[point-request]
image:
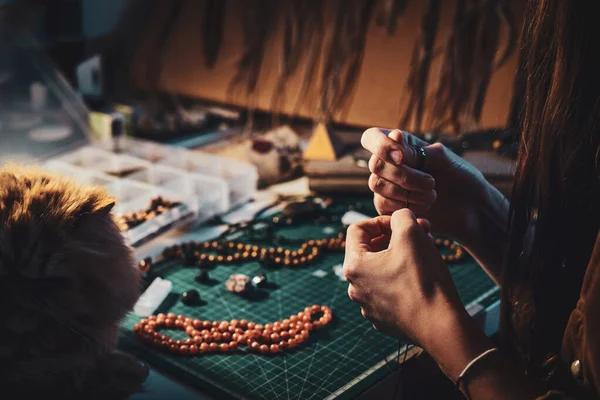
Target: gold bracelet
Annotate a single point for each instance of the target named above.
(474, 361)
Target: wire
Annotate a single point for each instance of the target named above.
(400, 369)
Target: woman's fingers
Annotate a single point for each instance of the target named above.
(360, 235)
(394, 149)
(402, 175)
(390, 190)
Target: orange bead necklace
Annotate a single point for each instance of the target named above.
(230, 336)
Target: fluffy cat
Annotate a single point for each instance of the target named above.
(66, 280)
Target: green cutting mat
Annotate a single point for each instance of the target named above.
(341, 360)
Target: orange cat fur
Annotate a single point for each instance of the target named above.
(66, 280)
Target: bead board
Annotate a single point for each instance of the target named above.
(339, 361)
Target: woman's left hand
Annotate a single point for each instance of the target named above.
(399, 279)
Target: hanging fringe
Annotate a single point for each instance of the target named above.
(420, 66)
(300, 25)
(344, 56)
(469, 61)
(155, 69)
(315, 36)
(214, 23)
(259, 23)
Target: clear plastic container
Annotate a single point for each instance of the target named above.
(208, 196)
(195, 162)
(242, 179)
(149, 151)
(98, 179)
(65, 169)
(122, 166)
(143, 149)
(159, 175)
(80, 175)
(134, 196)
(86, 157)
(211, 195)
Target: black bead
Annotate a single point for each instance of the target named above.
(190, 298)
(202, 276)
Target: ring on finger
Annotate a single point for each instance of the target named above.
(422, 157)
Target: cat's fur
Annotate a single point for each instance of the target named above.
(66, 279)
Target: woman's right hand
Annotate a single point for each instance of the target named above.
(446, 190)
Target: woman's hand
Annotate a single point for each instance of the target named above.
(399, 279)
(404, 288)
(458, 186)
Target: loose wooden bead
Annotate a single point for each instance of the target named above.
(204, 347)
(274, 348)
(213, 347)
(264, 349)
(224, 347)
(193, 349)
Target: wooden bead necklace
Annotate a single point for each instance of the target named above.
(157, 206)
(229, 336)
(208, 254)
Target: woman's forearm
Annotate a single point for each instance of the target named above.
(493, 377)
(486, 236)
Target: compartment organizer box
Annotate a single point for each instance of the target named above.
(202, 185)
(53, 131)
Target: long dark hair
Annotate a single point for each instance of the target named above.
(555, 205)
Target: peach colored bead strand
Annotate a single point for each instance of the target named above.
(228, 336)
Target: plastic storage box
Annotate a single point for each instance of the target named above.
(241, 177)
(135, 182)
(43, 121)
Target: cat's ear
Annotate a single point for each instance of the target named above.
(106, 209)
